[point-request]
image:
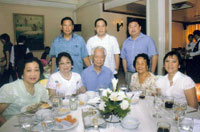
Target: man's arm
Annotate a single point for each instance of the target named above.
(154, 63)
(53, 62)
(7, 59)
(117, 61)
(124, 63)
(87, 61)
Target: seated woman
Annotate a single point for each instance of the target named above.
(65, 80)
(45, 56)
(175, 83)
(24, 91)
(142, 79)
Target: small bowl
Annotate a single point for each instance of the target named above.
(40, 114)
(130, 122)
(91, 94)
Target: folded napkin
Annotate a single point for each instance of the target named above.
(94, 100)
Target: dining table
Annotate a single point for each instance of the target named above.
(141, 110)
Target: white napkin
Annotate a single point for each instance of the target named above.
(196, 127)
(94, 100)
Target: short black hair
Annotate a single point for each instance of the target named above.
(135, 20)
(21, 67)
(66, 18)
(5, 37)
(190, 35)
(63, 54)
(196, 32)
(144, 56)
(21, 39)
(100, 19)
(174, 53)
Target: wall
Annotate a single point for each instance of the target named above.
(178, 35)
(52, 17)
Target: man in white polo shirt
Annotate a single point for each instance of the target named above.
(108, 42)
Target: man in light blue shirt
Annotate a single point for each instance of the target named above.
(136, 44)
(71, 43)
(97, 76)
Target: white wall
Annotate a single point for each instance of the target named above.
(52, 18)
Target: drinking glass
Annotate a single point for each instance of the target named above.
(179, 110)
(185, 124)
(100, 90)
(48, 122)
(73, 104)
(169, 102)
(143, 93)
(157, 106)
(26, 122)
(163, 127)
(124, 88)
(55, 101)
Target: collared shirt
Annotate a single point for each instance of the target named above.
(16, 95)
(197, 52)
(190, 46)
(69, 87)
(92, 81)
(131, 48)
(76, 47)
(181, 82)
(110, 44)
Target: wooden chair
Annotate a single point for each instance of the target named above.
(198, 91)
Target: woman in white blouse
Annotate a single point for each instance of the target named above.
(142, 79)
(65, 81)
(175, 83)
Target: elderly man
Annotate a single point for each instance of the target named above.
(97, 75)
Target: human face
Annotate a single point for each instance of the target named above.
(67, 27)
(141, 65)
(134, 29)
(99, 58)
(101, 28)
(65, 65)
(31, 73)
(171, 64)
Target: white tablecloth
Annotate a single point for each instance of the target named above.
(142, 111)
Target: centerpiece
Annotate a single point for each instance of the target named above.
(114, 104)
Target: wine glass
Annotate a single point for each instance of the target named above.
(26, 122)
(124, 88)
(95, 123)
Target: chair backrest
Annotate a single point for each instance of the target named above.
(198, 91)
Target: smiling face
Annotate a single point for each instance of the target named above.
(141, 65)
(171, 64)
(98, 57)
(101, 28)
(65, 65)
(31, 73)
(134, 29)
(67, 27)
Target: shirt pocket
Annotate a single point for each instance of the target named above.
(76, 50)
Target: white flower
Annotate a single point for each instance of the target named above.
(121, 95)
(102, 106)
(106, 91)
(114, 83)
(114, 96)
(124, 104)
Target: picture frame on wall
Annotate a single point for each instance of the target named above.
(32, 27)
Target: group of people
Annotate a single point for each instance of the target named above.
(101, 58)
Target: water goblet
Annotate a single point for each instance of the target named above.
(124, 88)
(48, 122)
(179, 110)
(26, 122)
(185, 124)
(73, 104)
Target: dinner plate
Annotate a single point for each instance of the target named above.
(23, 110)
(62, 127)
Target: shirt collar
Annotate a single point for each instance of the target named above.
(139, 36)
(102, 69)
(106, 35)
(176, 76)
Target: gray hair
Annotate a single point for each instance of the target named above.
(99, 47)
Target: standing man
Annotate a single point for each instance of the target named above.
(7, 45)
(71, 43)
(108, 42)
(196, 57)
(97, 76)
(136, 44)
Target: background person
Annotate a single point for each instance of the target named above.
(136, 44)
(71, 43)
(65, 80)
(143, 79)
(97, 76)
(22, 92)
(107, 41)
(175, 83)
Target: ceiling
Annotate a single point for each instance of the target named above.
(134, 7)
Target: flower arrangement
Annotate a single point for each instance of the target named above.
(114, 103)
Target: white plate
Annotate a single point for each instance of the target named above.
(130, 123)
(66, 127)
(23, 110)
